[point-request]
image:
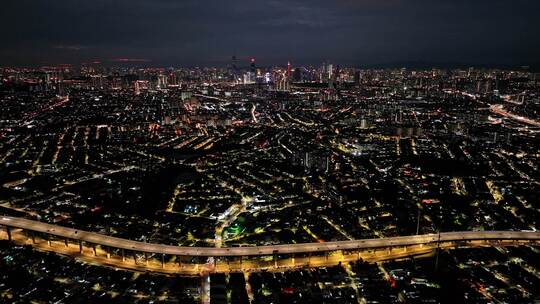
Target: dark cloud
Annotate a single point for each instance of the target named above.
(207, 32)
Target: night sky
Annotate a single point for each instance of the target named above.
(209, 32)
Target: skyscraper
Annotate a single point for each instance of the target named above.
(289, 68)
(357, 78)
(297, 75)
(253, 67)
(234, 68)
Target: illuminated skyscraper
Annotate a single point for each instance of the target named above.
(289, 68)
(251, 76)
(137, 88)
(162, 81)
(253, 68)
(234, 68)
(330, 72)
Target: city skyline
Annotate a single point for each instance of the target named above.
(270, 152)
(284, 184)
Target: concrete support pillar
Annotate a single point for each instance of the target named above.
(135, 257)
(309, 258)
(94, 249)
(146, 258)
(162, 260)
(49, 240)
(80, 247)
(8, 230)
(123, 255)
(33, 236)
(437, 260)
(326, 255)
(66, 242)
(292, 259)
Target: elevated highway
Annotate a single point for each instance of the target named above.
(409, 245)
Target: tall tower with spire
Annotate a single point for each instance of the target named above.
(289, 69)
(234, 68)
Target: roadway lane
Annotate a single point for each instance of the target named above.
(400, 241)
(499, 109)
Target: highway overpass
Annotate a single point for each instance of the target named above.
(414, 242)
